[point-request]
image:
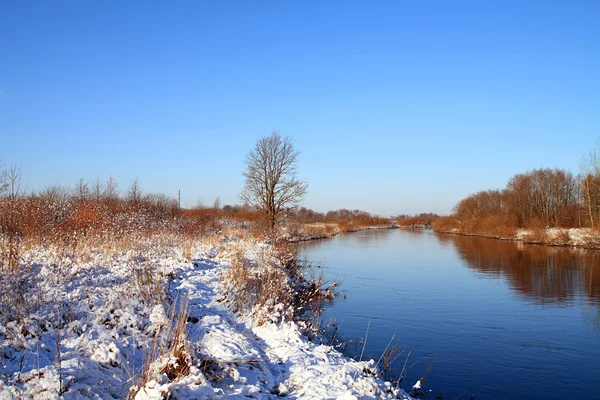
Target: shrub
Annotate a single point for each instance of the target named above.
(447, 224)
(271, 292)
(536, 235)
(559, 237)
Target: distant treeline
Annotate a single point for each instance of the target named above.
(341, 216)
(537, 199)
(97, 209)
(423, 220)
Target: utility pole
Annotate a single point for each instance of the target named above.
(179, 198)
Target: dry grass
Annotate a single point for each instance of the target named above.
(12, 220)
(168, 353)
(263, 289)
(298, 232)
(274, 287)
(16, 301)
(147, 284)
(558, 237)
(537, 235)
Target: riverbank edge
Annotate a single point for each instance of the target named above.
(304, 236)
(581, 238)
(370, 370)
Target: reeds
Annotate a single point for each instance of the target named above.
(168, 353)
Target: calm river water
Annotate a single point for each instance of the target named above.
(504, 320)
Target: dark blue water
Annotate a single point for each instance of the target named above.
(502, 319)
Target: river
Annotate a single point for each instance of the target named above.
(501, 320)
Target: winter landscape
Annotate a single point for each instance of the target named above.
(310, 200)
(159, 315)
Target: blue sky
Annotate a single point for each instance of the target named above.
(396, 107)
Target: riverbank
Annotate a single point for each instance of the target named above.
(323, 230)
(158, 316)
(572, 237)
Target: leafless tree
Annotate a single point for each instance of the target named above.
(58, 204)
(134, 193)
(271, 185)
(3, 181)
(110, 190)
(11, 216)
(97, 189)
(82, 190)
(13, 181)
(543, 196)
(590, 184)
(161, 202)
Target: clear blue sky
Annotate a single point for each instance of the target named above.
(396, 107)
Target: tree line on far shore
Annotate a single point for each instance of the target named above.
(538, 199)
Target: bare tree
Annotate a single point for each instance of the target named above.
(82, 190)
(58, 204)
(543, 196)
(11, 216)
(3, 181)
(271, 185)
(590, 184)
(13, 181)
(97, 189)
(110, 190)
(134, 194)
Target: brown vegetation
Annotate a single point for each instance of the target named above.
(78, 226)
(423, 220)
(531, 202)
(96, 212)
(305, 224)
(169, 354)
(276, 286)
(71, 217)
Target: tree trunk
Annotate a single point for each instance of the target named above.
(589, 200)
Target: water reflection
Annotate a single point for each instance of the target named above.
(366, 237)
(543, 274)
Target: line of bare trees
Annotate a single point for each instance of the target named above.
(341, 216)
(541, 198)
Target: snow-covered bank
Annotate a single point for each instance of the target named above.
(93, 323)
(570, 237)
(323, 230)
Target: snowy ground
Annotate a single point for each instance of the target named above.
(572, 237)
(93, 326)
(324, 230)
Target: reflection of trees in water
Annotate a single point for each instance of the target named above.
(370, 236)
(542, 273)
(312, 244)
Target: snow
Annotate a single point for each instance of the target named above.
(90, 325)
(417, 385)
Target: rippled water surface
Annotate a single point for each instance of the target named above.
(502, 319)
